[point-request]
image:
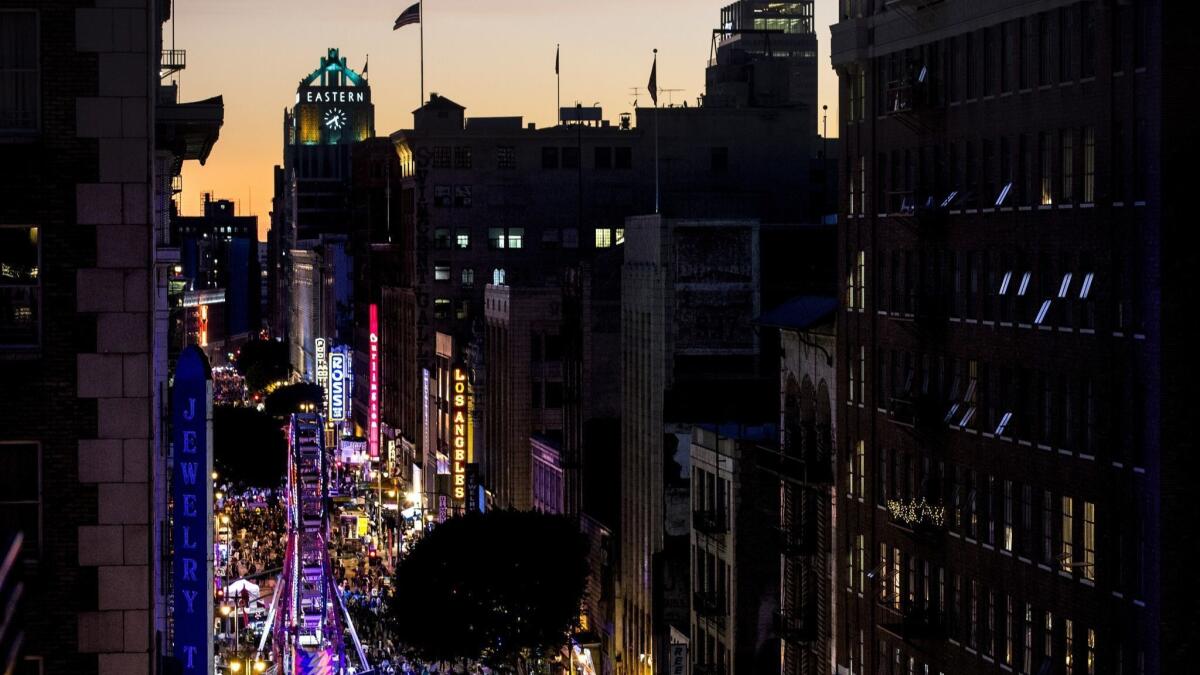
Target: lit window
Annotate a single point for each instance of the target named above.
(1041, 315)
(1068, 533)
(1005, 282)
(1091, 652)
(603, 237)
(1008, 518)
(20, 286)
(441, 272)
(496, 238)
(618, 236)
(441, 308)
(19, 75)
(1086, 288)
(462, 239)
(1065, 286)
(1003, 425)
(468, 277)
(1024, 284)
(516, 236)
(1089, 546)
(1069, 647)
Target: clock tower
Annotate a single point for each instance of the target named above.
(311, 215)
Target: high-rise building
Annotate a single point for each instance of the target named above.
(1012, 470)
(92, 136)
(333, 111)
(764, 54)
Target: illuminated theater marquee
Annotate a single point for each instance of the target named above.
(460, 432)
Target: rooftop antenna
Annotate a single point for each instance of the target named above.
(670, 98)
(635, 91)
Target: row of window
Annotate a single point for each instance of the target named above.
(20, 285)
(1054, 47)
(553, 157)
(19, 76)
(1046, 289)
(1043, 169)
(500, 238)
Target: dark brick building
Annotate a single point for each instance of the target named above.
(1011, 466)
(90, 140)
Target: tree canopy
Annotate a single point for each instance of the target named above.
(287, 399)
(262, 362)
(248, 446)
(502, 587)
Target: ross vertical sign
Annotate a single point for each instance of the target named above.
(191, 492)
(460, 433)
(321, 352)
(339, 384)
(373, 399)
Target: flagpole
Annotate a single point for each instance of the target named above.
(656, 192)
(558, 77)
(421, 21)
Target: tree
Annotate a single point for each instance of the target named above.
(262, 362)
(289, 399)
(248, 446)
(502, 587)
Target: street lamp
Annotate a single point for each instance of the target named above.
(235, 667)
(260, 666)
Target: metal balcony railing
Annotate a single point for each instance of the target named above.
(172, 61)
(795, 628)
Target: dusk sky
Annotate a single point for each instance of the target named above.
(495, 58)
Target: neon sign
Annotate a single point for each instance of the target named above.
(460, 434)
(322, 363)
(373, 400)
(191, 491)
(339, 383)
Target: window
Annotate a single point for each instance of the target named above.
(1043, 29)
(441, 238)
(19, 71)
(506, 157)
(441, 272)
(618, 236)
(623, 158)
(1047, 526)
(20, 286)
(441, 156)
(496, 238)
(1089, 543)
(720, 160)
(441, 308)
(1008, 630)
(1087, 49)
(462, 195)
(468, 277)
(862, 279)
(551, 237)
(549, 158)
(442, 195)
(1068, 529)
(570, 237)
(603, 237)
(516, 237)
(1048, 646)
(1008, 516)
(1046, 171)
(603, 158)
(462, 239)
(1069, 647)
(462, 157)
(1091, 651)
(570, 157)
(21, 493)
(860, 458)
(1066, 142)
(462, 309)
(1089, 165)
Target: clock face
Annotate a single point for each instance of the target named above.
(335, 118)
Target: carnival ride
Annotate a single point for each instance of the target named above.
(308, 621)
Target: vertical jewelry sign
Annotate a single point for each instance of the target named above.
(192, 515)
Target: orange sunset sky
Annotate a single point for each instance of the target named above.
(494, 57)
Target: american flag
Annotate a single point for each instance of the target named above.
(409, 16)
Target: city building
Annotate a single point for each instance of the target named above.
(312, 202)
(92, 137)
(1010, 384)
(219, 250)
(804, 470)
(765, 55)
(735, 522)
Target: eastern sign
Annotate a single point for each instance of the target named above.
(460, 432)
(333, 95)
(340, 380)
(373, 386)
(192, 516)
